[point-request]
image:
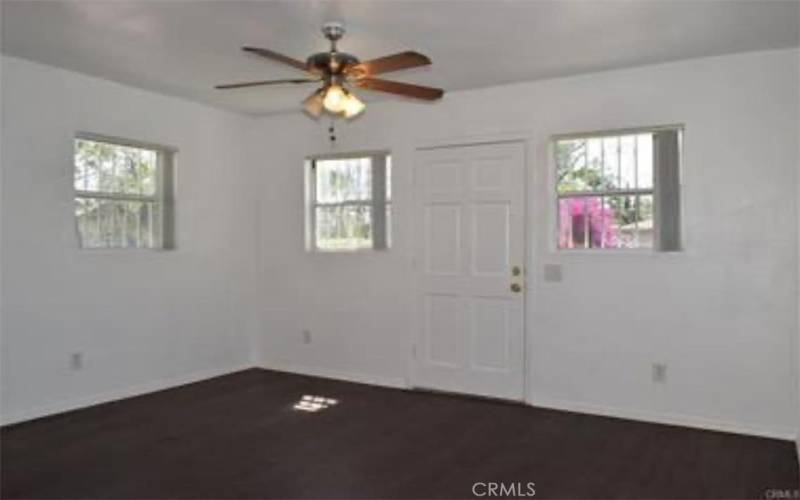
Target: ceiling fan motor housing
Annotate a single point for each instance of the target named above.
(331, 63)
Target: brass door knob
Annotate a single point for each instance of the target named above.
(516, 288)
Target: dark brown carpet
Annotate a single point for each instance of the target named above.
(238, 436)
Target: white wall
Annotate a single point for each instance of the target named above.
(143, 319)
(722, 314)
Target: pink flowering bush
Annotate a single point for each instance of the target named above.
(586, 222)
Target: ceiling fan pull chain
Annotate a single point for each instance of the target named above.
(332, 134)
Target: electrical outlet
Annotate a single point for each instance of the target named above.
(76, 361)
(306, 336)
(659, 373)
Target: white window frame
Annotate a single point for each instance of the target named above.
(381, 231)
(163, 234)
(656, 192)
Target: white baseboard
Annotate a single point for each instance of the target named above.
(690, 421)
(348, 376)
(116, 394)
(695, 422)
(680, 420)
(401, 383)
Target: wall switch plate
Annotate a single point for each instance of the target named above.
(552, 273)
(76, 361)
(659, 373)
(306, 336)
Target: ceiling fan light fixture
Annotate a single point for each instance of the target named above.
(313, 105)
(335, 99)
(352, 106)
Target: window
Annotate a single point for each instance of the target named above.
(350, 202)
(619, 190)
(122, 194)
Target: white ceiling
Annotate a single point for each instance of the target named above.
(183, 48)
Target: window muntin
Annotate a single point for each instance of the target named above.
(350, 202)
(119, 194)
(607, 197)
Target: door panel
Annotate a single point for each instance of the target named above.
(470, 236)
(444, 328)
(443, 234)
(490, 346)
(444, 177)
(490, 239)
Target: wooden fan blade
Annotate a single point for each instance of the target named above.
(400, 88)
(263, 82)
(385, 64)
(269, 54)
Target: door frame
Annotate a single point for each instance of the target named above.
(527, 139)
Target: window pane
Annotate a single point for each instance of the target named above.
(86, 171)
(116, 169)
(606, 222)
(105, 224)
(623, 221)
(388, 178)
(388, 226)
(343, 180)
(579, 165)
(605, 163)
(87, 215)
(644, 161)
(644, 222)
(583, 222)
(344, 227)
(627, 162)
(138, 230)
(631, 221)
(611, 163)
(117, 223)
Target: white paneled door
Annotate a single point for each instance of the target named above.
(470, 239)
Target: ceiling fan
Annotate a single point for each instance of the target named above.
(337, 71)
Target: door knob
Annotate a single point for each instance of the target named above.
(516, 288)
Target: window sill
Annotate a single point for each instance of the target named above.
(124, 251)
(644, 253)
(354, 251)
